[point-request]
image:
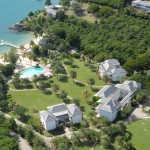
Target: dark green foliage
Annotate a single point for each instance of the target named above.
(20, 111)
(60, 15)
(125, 112)
(7, 70)
(93, 8)
(12, 56)
(6, 141)
(61, 141)
(48, 2)
(36, 50)
(3, 96)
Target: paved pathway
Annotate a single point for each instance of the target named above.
(138, 113)
(47, 140)
(80, 81)
(22, 142)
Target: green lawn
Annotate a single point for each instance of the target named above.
(141, 134)
(34, 100)
(75, 91)
(86, 16)
(88, 148)
(84, 73)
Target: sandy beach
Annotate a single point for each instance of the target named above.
(19, 51)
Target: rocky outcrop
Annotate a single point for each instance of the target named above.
(19, 27)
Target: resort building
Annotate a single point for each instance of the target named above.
(52, 9)
(114, 97)
(144, 5)
(112, 69)
(57, 115)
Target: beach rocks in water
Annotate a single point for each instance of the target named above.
(19, 27)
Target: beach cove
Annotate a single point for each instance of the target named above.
(13, 11)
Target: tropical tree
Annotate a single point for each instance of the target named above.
(47, 2)
(5, 57)
(55, 88)
(22, 47)
(12, 56)
(76, 101)
(106, 79)
(31, 43)
(63, 95)
(20, 111)
(91, 114)
(77, 8)
(91, 82)
(30, 57)
(86, 94)
(73, 75)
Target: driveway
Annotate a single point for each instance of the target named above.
(138, 113)
(22, 142)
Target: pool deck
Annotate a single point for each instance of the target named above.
(25, 63)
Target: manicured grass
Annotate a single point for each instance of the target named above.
(34, 100)
(86, 16)
(88, 148)
(75, 91)
(84, 73)
(140, 134)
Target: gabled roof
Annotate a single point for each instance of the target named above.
(59, 109)
(109, 107)
(144, 3)
(137, 85)
(47, 116)
(108, 66)
(113, 61)
(128, 85)
(73, 110)
(118, 70)
(106, 91)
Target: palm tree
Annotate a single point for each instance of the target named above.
(73, 75)
(86, 94)
(91, 82)
(5, 57)
(55, 88)
(30, 57)
(31, 43)
(22, 47)
(91, 114)
(36, 36)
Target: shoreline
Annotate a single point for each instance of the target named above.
(21, 52)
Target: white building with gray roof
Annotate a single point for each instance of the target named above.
(59, 114)
(144, 5)
(112, 69)
(114, 97)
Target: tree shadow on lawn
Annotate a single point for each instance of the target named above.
(95, 89)
(63, 79)
(57, 131)
(79, 84)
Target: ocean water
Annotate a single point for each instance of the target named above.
(13, 11)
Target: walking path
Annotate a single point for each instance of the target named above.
(47, 140)
(96, 86)
(23, 144)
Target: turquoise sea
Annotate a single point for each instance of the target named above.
(13, 11)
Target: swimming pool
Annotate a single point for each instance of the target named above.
(30, 72)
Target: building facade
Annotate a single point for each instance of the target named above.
(114, 97)
(112, 69)
(57, 115)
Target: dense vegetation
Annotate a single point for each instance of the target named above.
(6, 141)
(119, 36)
(118, 33)
(114, 137)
